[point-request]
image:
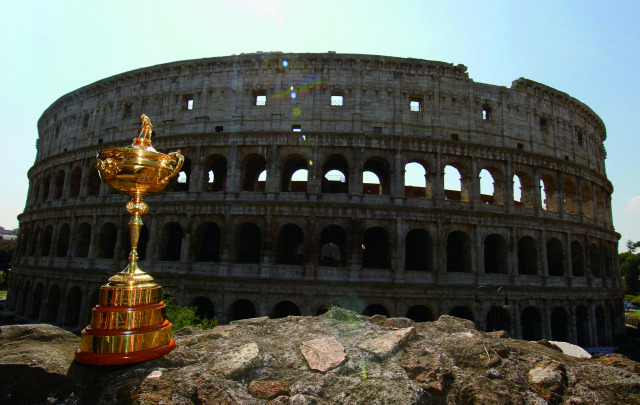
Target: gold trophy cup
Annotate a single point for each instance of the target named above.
(129, 325)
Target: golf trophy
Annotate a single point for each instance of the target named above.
(129, 324)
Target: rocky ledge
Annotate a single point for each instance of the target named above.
(337, 358)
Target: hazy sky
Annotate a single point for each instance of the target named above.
(587, 49)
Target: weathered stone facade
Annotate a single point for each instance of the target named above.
(237, 246)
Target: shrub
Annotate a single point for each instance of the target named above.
(181, 317)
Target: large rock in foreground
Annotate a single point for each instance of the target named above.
(337, 358)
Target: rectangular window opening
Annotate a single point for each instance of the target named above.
(127, 110)
(296, 128)
(100, 140)
(415, 104)
(219, 128)
(377, 130)
(190, 105)
(455, 137)
(187, 102)
(486, 112)
(261, 99)
(520, 146)
(337, 100)
(544, 125)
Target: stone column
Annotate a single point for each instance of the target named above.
(546, 320)
(94, 235)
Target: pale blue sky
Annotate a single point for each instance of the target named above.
(587, 49)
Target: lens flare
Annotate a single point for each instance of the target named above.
(293, 94)
(285, 63)
(291, 88)
(296, 111)
(310, 162)
(304, 137)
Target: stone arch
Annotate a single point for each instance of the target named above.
(491, 186)
(249, 243)
(207, 243)
(587, 201)
(462, 312)
(107, 238)
(183, 180)
(64, 234)
(559, 325)
(606, 260)
(416, 180)
(570, 197)
(74, 184)
(53, 305)
(290, 245)
(455, 188)
(93, 182)
(495, 254)
(527, 256)
(204, 307)
(36, 301)
(242, 309)
(58, 186)
(171, 237)
(253, 166)
(291, 165)
(577, 259)
(285, 308)
(215, 173)
(376, 248)
(47, 237)
(555, 257)
(549, 193)
(594, 260)
(498, 319)
(73, 303)
(46, 187)
(458, 252)
(582, 326)
(380, 167)
(418, 251)
(333, 247)
(33, 242)
(82, 241)
(375, 309)
(523, 188)
(24, 299)
(334, 184)
(601, 326)
(531, 321)
(420, 313)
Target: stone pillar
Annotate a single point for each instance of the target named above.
(397, 177)
(437, 191)
(546, 320)
(537, 193)
(471, 184)
(544, 265)
(94, 235)
(400, 248)
(477, 252)
(593, 329)
(233, 173)
(508, 186)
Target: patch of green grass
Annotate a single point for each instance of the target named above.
(633, 313)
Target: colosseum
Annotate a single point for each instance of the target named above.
(319, 179)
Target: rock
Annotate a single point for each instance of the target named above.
(267, 389)
(620, 361)
(386, 344)
(233, 364)
(571, 349)
(546, 343)
(548, 378)
(323, 354)
(451, 324)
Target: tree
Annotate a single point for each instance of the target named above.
(6, 252)
(630, 268)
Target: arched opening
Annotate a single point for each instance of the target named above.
(207, 243)
(24, 298)
(215, 167)
(594, 260)
(36, 301)
(171, 242)
(93, 182)
(600, 326)
(498, 319)
(294, 166)
(518, 199)
(420, 313)
(462, 312)
(375, 309)
(74, 185)
(600, 206)
(204, 307)
(418, 251)
(372, 169)
(527, 256)
(587, 201)
(415, 181)
(53, 305)
(606, 259)
(570, 197)
(453, 184)
(290, 245)
(58, 186)
(254, 166)
(577, 259)
(72, 313)
(63, 241)
(184, 177)
(582, 326)
(249, 242)
(284, 309)
(47, 236)
(555, 257)
(46, 186)
(458, 252)
(559, 325)
(241, 309)
(487, 187)
(495, 254)
(334, 175)
(375, 249)
(33, 242)
(333, 241)
(83, 241)
(531, 321)
(107, 238)
(548, 193)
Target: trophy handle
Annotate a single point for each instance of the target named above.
(165, 162)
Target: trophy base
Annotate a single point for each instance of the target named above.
(117, 359)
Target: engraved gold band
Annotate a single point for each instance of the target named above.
(129, 296)
(127, 318)
(126, 342)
